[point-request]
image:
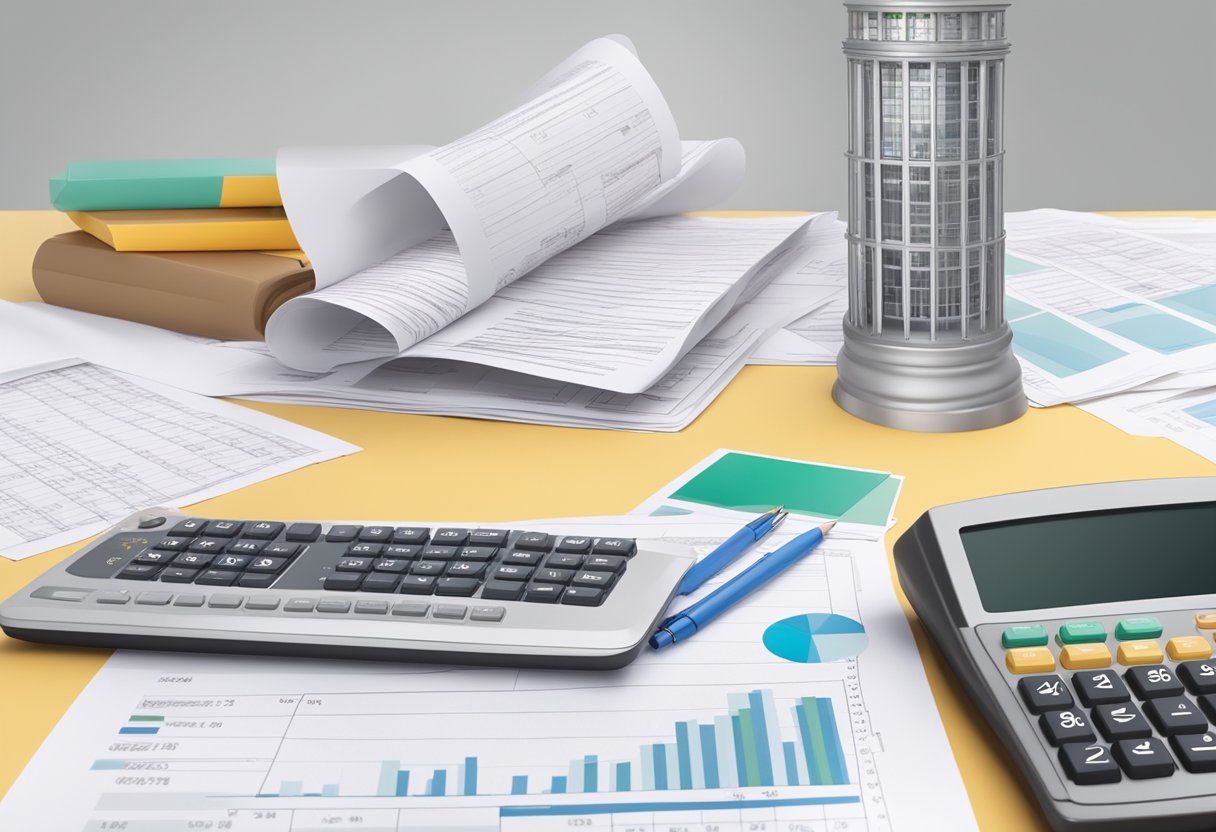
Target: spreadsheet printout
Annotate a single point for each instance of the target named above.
(82, 447)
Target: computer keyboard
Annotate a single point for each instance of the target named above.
(164, 580)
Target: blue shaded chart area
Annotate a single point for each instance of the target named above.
(1150, 327)
(818, 637)
(1050, 342)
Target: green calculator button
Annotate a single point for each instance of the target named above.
(1024, 635)
(1142, 626)
(1082, 632)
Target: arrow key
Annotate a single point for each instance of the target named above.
(1121, 721)
(1197, 752)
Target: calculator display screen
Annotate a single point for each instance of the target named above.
(1094, 557)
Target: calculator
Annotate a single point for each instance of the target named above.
(1081, 621)
(167, 581)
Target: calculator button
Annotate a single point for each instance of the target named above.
(178, 575)
(411, 609)
(232, 562)
(192, 560)
(450, 537)
(333, 605)
(511, 572)
(604, 563)
(488, 537)
(455, 612)
(381, 582)
(172, 544)
(154, 557)
(281, 550)
(597, 579)
(258, 602)
(190, 600)
(456, 586)
(1142, 759)
(534, 541)
(354, 565)
(113, 597)
(371, 607)
(427, 567)
(188, 528)
(1196, 752)
(154, 599)
(1203, 621)
(1101, 687)
(1151, 682)
(400, 552)
(300, 605)
(224, 528)
(503, 590)
(60, 593)
(481, 553)
(303, 532)
(376, 534)
(583, 596)
(1199, 677)
(438, 552)
(1182, 648)
(1084, 656)
(1030, 660)
(343, 581)
(411, 536)
(255, 580)
(390, 565)
(151, 522)
(342, 534)
(574, 545)
(1141, 626)
(1044, 693)
(466, 569)
(263, 530)
(561, 576)
(1089, 765)
(542, 593)
(1070, 725)
(614, 546)
(1121, 722)
(1175, 715)
(487, 613)
(365, 549)
(1082, 632)
(564, 561)
(139, 571)
(207, 545)
(246, 547)
(418, 584)
(225, 602)
(266, 564)
(521, 558)
(1140, 652)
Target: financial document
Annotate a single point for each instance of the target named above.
(81, 447)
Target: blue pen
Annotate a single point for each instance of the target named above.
(731, 548)
(683, 624)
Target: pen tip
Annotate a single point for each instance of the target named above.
(827, 527)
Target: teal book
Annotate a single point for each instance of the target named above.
(166, 183)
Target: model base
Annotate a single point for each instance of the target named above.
(930, 387)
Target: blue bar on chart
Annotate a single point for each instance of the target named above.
(437, 785)
(386, 784)
(139, 729)
(622, 777)
(558, 785)
(470, 776)
(519, 784)
(591, 773)
(403, 783)
(709, 756)
(683, 756)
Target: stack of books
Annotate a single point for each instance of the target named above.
(200, 246)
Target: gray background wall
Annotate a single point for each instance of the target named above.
(1109, 101)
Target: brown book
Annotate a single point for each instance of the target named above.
(217, 294)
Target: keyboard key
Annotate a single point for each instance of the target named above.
(502, 590)
(246, 547)
(522, 558)
(188, 528)
(139, 571)
(178, 575)
(583, 596)
(156, 557)
(333, 605)
(541, 593)
(1196, 752)
(151, 521)
(1183, 648)
(1142, 759)
(1044, 693)
(172, 544)
(154, 599)
(554, 576)
(456, 586)
(455, 612)
(417, 584)
(233, 562)
(343, 581)
(614, 546)
(1089, 764)
(605, 563)
(365, 549)
(1199, 677)
(303, 532)
(300, 605)
(1030, 660)
(282, 550)
(1203, 621)
(113, 597)
(225, 602)
(1150, 682)
(1024, 635)
(481, 553)
(371, 607)
(262, 602)
(1141, 626)
(189, 600)
(1140, 652)
(574, 545)
(381, 582)
(207, 545)
(1082, 632)
(192, 560)
(438, 552)
(534, 541)
(1121, 722)
(1100, 687)
(602, 580)
(487, 613)
(1175, 715)
(263, 530)
(427, 567)
(224, 528)
(411, 535)
(488, 537)
(466, 569)
(450, 537)
(400, 552)
(411, 609)
(391, 565)
(354, 565)
(217, 577)
(266, 564)
(1069, 725)
(1084, 656)
(256, 580)
(376, 534)
(564, 561)
(510, 572)
(342, 534)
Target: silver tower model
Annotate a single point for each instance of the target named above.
(926, 346)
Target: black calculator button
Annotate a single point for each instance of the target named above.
(139, 571)
(178, 575)
(503, 590)
(1121, 721)
(543, 593)
(396, 565)
(466, 569)
(281, 550)
(438, 552)
(605, 563)
(1196, 752)
(1044, 693)
(511, 572)
(595, 579)
(1089, 764)
(263, 530)
(456, 586)
(574, 545)
(343, 581)
(534, 541)
(522, 558)
(155, 557)
(1142, 759)
(265, 564)
(614, 546)
(1176, 715)
(224, 528)
(1100, 687)
(488, 537)
(450, 537)
(376, 534)
(354, 565)
(342, 534)
(1069, 725)
(399, 552)
(207, 545)
(564, 561)
(554, 576)
(256, 580)
(192, 560)
(381, 582)
(365, 549)
(1199, 677)
(303, 532)
(427, 567)
(247, 547)
(411, 535)
(233, 562)
(217, 577)
(172, 544)
(1151, 681)
(583, 596)
(188, 528)
(418, 584)
(481, 553)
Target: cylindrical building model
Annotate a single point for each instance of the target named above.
(926, 346)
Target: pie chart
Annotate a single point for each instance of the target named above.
(818, 637)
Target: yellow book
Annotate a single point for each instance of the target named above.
(190, 229)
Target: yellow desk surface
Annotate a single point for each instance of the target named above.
(532, 471)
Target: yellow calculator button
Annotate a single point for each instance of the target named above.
(1206, 621)
(1030, 660)
(1188, 647)
(1140, 652)
(1085, 656)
